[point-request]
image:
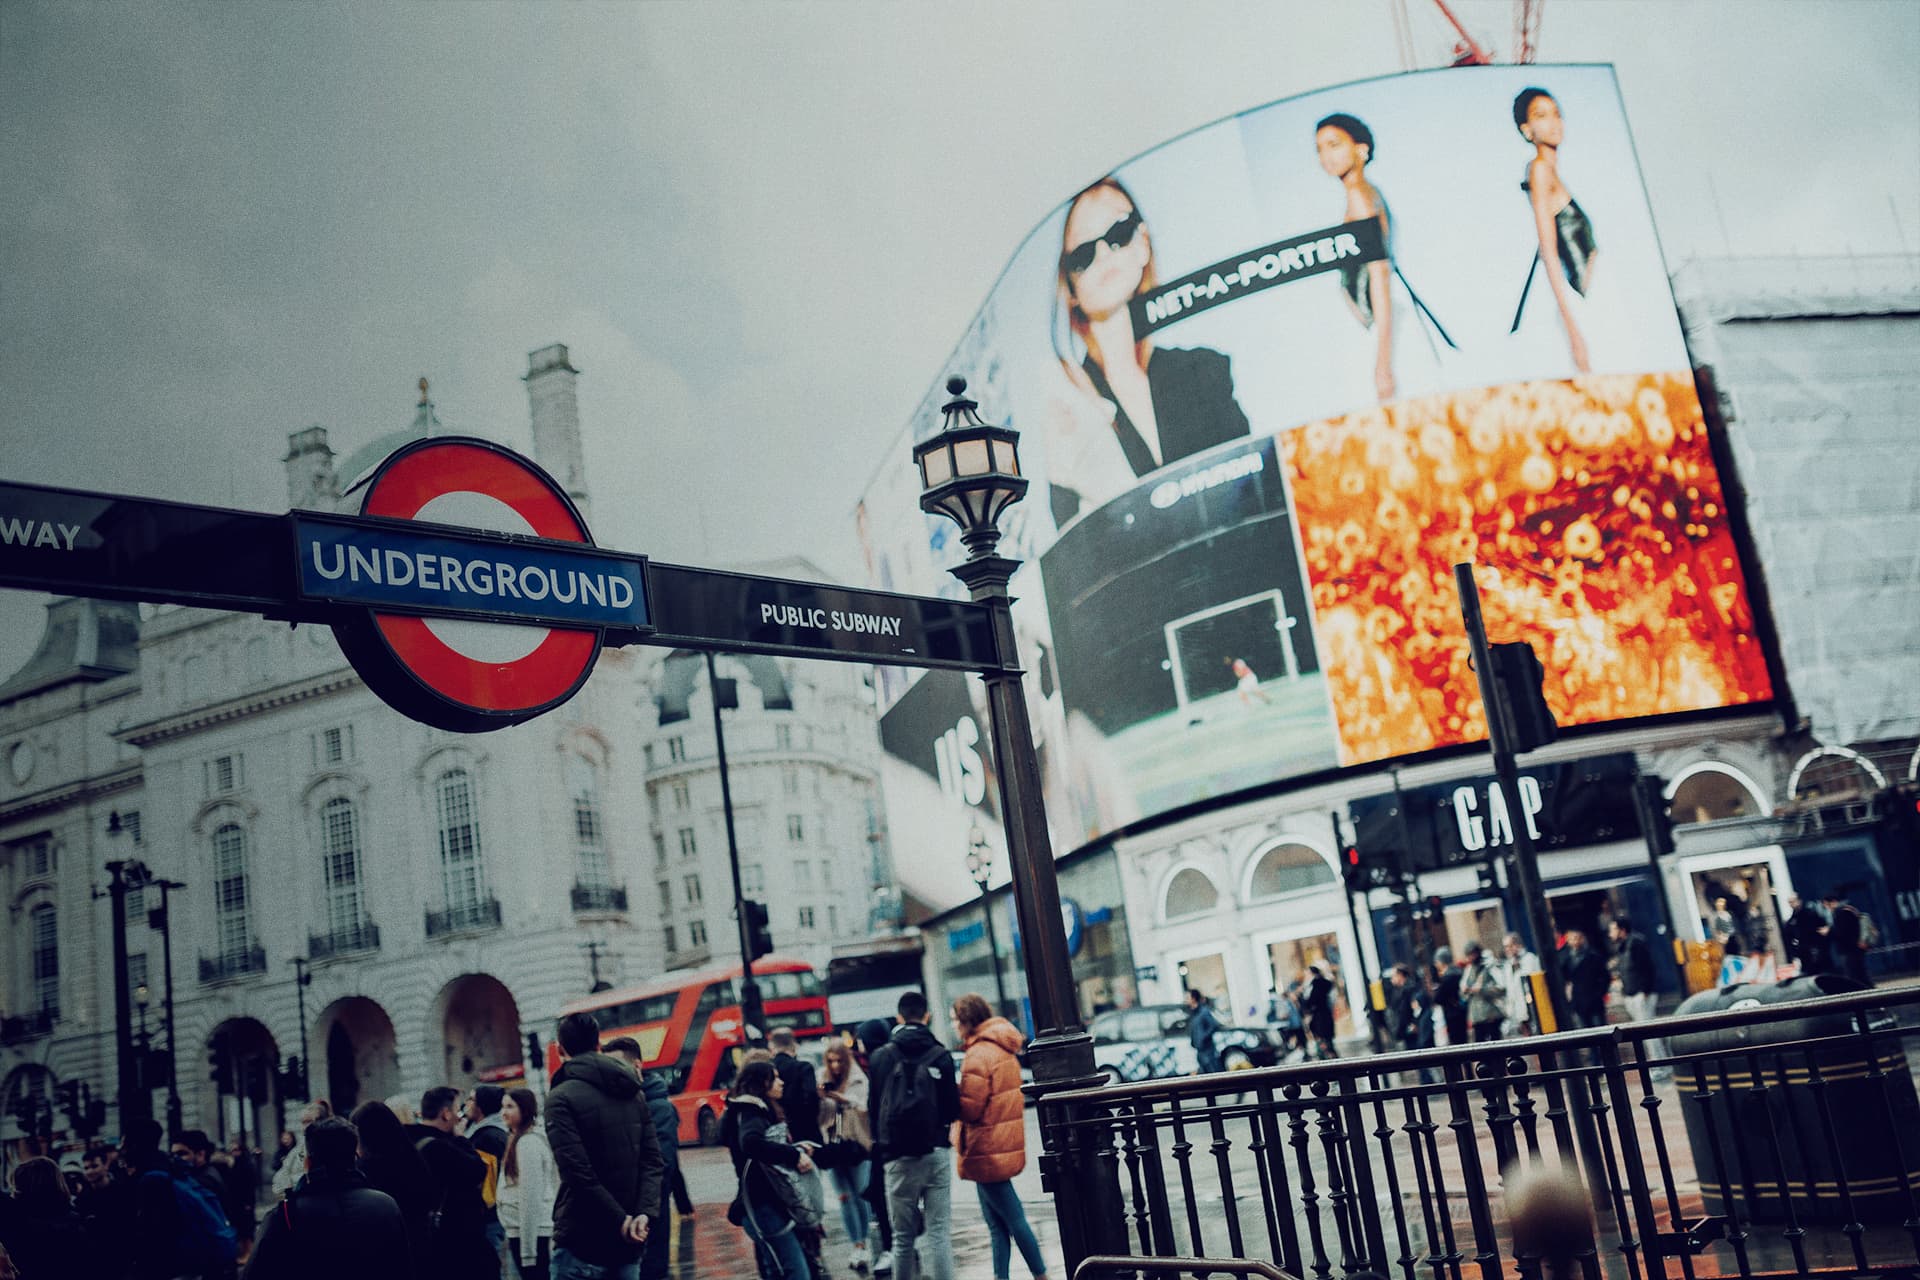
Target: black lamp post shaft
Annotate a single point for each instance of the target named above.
(175, 1118)
(752, 1011)
(300, 981)
(134, 1103)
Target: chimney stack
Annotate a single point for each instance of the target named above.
(311, 483)
(556, 420)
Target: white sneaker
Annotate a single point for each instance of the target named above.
(857, 1257)
(883, 1265)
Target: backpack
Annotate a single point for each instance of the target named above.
(910, 1105)
(205, 1241)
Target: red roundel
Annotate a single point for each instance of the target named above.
(469, 676)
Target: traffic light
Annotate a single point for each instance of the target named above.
(759, 930)
(222, 1067)
(292, 1079)
(1519, 677)
(1656, 823)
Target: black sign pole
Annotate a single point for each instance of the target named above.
(1526, 870)
(752, 1012)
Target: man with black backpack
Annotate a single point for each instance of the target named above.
(918, 1099)
(333, 1224)
(178, 1227)
(457, 1234)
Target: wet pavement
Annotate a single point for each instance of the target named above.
(708, 1247)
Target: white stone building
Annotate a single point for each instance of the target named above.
(446, 894)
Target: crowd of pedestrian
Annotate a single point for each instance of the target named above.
(889, 1124)
(487, 1185)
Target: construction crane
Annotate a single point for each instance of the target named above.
(1467, 49)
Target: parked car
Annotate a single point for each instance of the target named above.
(1150, 1042)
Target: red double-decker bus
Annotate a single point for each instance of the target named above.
(689, 1027)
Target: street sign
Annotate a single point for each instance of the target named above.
(707, 609)
(414, 648)
(467, 592)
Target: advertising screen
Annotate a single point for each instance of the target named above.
(1273, 379)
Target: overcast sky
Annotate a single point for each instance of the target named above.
(761, 229)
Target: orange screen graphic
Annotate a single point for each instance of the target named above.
(1595, 513)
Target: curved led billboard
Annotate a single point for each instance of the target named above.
(1273, 379)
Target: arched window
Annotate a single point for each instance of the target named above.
(1189, 893)
(230, 891)
(45, 933)
(1709, 795)
(1288, 868)
(589, 838)
(459, 841)
(340, 863)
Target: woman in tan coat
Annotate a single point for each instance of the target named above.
(992, 1138)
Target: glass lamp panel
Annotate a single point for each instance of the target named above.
(972, 458)
(936, 467)
(953, 508)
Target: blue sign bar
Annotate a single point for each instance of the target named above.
(416, 569)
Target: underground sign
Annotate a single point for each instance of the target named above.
(463, 633)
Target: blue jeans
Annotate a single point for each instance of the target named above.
(855, 1215)
(776, 1247)
(1007, 1225)
(920, 1202)
(566, 1266)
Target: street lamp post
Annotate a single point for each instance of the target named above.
(970, 473)
(127, 875)
(753, 1012)
(300, 979)
(161, 919)
(980, 867)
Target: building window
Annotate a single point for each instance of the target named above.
(692, 886)
(803, 874)
(136, 906)
(46, 958)
(459, 840)
(697, 933)
(826, 874)
(1189, 893)
(676, 750)
(35, 858)
(666, 894)
(833, 918)
(340, 863)
(333, 746)
(136, 971)
(783, 737)
(687, 846)
(752, 879)
(224, 774)
(130, 823)
(672, 945)
(796, 830)
(681, 798)
(230, 891)
(806, 917)
(646, 753)
(589, 840)
(789, 780)
(660, 846)
(1288, 868)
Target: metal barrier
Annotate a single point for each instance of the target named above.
(1781, 1139)
(1115, 1265)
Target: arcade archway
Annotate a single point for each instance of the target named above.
(240, 1097)
(478, 1024)
(357, 1058)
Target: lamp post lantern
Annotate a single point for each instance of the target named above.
(970, 473)
(980, 867)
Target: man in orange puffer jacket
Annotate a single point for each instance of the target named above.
(992, 1131)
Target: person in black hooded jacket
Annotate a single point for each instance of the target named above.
(459, 1239)
(391, 1164)
(606, 1151)
(41, 1229)
(332, 1223)
(654, 1261)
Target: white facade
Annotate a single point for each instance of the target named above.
(447, 893)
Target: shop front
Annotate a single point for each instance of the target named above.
(960, 958)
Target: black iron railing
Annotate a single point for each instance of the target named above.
(362, 935)
(470, 917)
(230, 965)
(599, 897)
(28, 1026)
(1782, 1139)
